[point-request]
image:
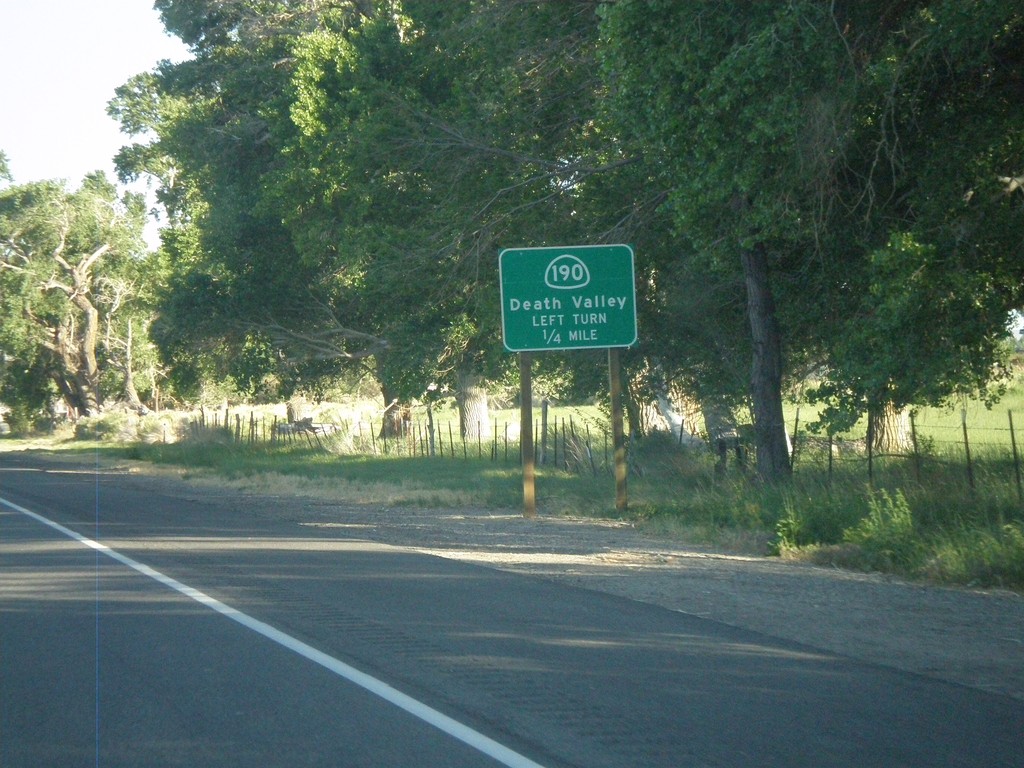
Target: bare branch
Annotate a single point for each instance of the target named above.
(325, 338)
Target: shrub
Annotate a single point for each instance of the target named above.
(887, 535)
(816, 516)
(114, 425)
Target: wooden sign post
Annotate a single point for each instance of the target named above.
(618, 433)
(568, 297)
(526, 434)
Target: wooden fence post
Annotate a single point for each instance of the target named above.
(543, 431)
(967, 450)
(917, 454)
(871, 440)
(1016, 458)
(830, 457)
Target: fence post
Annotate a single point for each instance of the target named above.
(1016, 458)
(430, 428)
(917, 455)
(967, 450)
(830, 457)
(871, 448)
(536, 442)
(590, 453)
(543, 431)
(565, 445)
(796, 434)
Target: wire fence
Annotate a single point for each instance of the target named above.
(564, 442)
(980, 453)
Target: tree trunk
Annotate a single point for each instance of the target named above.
(890, 429)
(471, 399)
(80, 371)
(130, 392)
(766, 375)
(76, 344)
(680, 423)
(396, 416)
(89, 373)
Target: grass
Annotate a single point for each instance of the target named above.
(921, 519)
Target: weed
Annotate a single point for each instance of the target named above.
(977, 557)
(887, 535)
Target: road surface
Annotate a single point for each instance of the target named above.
(138, 629)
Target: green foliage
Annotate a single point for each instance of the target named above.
(887, 533)
(74, 284)
(816, 515)
(979, 557)
(861, 145)
(339, 179)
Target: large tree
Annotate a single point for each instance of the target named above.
(723, 104)
(70, 270)
(931, 210)
(843, 160)
(364, 163)
(218, 126)
(435, 139)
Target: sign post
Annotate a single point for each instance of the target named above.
(618, 433)
(526, 433)
(568, 297)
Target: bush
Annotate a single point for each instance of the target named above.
(127, 427)
(816, 517)
(887, 535)
(117, 426)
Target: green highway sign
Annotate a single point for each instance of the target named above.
(572, 297)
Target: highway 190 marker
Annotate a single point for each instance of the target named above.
(571, 297)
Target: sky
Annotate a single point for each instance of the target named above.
(60, 61)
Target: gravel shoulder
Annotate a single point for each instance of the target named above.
(965, 636)
(971, 637)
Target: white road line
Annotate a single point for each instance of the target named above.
(418, 709)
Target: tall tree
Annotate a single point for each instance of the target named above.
(61, 253)
(931, 208)
(845, 159)
(371, 157)
(436, 139)
(220, 123)
(723, 102)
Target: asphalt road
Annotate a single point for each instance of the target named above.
(214, 638)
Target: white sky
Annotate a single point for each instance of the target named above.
(60, 61)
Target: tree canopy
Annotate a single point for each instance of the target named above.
(74, 282)
(819, 193)
(865, 152)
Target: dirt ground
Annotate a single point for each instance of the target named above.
(972, 637)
